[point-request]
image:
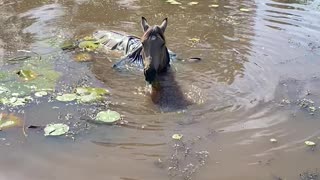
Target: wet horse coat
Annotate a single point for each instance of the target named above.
(131, 47)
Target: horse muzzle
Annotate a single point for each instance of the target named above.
(150, 75)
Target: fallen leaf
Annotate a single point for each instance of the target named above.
(83, 57)
(273, 140)
(213, 5)
(310, 143)
(245, 10)
(177, 136)
(193, 3)
(56, 129)
(174, 2)
(194, 40)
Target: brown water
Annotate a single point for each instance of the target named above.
(251, 62)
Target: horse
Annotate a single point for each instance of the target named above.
(154, 52)
(149, 54)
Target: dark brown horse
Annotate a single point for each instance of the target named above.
(154, 52)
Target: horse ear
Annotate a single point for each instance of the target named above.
(145, 26)
(163, 26)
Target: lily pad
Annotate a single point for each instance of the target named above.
(15, 101)
(40, 93)
(67, 97)
(108, 116)
(193, 3)
(213, 5)
(245, 10)
(8, 121)
(56, 129)
(83, 57)
(177, 136)
(89, 98)
(88, 94)
(174, 2)
(68, 45)
(89, 90)
(310, 143)
(89, 45)
(27, 75)
(273, 140)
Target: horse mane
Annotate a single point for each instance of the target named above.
(153, 31)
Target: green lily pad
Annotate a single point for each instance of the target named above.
(67, 97)
(68, 45)
(88, 94)
(27, 75)
(40, 93)
(89, 98)
(15, 101)
(8, 121)
(56, 129)
(108, 116)
(89, 45)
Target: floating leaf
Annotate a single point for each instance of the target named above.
(15, 101)
(310, 143)
(312, 108)
(89, 90)
(193, 3)
(245, 10)
(89, 45)
(174, 2)
(40, 93)
(108, 116)
(213, 5)
(67, 97)
(83, 57)
(273, 140)
(68, 45)
(3, 90)
(27, 75)
(89, 98)
(194, 40)
(8, 121)
(88, 94)
(177, 136)
(56, 129)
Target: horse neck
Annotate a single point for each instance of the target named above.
(165, 59)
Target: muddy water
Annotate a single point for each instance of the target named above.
(256, 67)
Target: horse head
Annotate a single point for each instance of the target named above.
(154, 51)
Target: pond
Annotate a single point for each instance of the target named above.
(254, 96)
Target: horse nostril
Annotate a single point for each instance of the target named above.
(150, 75)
